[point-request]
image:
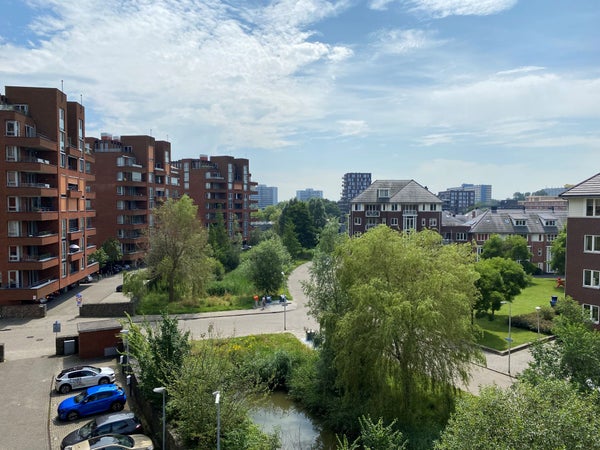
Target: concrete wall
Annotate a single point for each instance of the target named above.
(107, 309)
(33, 311)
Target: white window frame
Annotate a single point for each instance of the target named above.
(461, 236)
(593, 311)
(357, 221)
(591, 243)
(592, 207)
(14, 228)
(12, 153)
(432, 222)
(12, 128)
(12, 178)
(591, 278)
(394, 222)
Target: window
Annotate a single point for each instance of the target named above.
(461, 236)
(13, 204)
(483, 236)
(593, 311)
(12, 179)
(423, 222)
(591, 278)
(120, 176)
(540, 252)
(29, 131)
(409, 223)
(394, 207)
(551, 237)
(432, 222)
(432, 207)
(394, 221)
(12, 153)
(592, 207)
(63, 160)
(63, 140)
(14, 229)
(591, 244)
(13, 253)
(357, 207)
(61, 119)
(120, 204)
(14, 280)
(383, 193)
(120, 190)
(520, 222)
(12, 128)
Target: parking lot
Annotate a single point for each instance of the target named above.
(58, 429)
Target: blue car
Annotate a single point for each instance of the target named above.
(94, 400)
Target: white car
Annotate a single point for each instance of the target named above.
(83, 376)
(115, 442)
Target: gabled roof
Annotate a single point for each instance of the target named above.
(502, 222)
(587, 188)
(400, 191)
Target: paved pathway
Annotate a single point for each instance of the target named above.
(30, 365)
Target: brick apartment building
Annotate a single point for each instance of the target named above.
(47, 222)
(399, 204)
(583, 245)
(133, 174)
(220, 184)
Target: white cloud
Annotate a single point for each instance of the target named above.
(353, 127)
(520, 70)
(398, 42)
(445, 8)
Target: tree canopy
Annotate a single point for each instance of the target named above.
(551, 415)
(265, 265)
(179, 253)
(401, 306)
(559, 252)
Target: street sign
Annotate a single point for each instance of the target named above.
(56, 327)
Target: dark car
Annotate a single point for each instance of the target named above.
(121, 423)
(94, 400)
(119, 288)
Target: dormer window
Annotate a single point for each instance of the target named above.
(520, 222)
(383, 193)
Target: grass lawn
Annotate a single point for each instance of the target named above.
(495, 332)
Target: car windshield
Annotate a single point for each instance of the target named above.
(86, 430)
(79, 397)
(111, 439)
(95, 369)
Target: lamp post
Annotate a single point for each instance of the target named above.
(509, 338)
(537, 309)
(217, 395)
(162, 390)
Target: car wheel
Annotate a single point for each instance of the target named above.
(73, 415)
(104, 381)
(116, 406)
(65, 389)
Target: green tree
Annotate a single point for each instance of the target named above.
(551, 415)
(513, 247)
(316, 208)
(225, 249)
(574, 356)
(100, 257)
(179, 252)
(265, 264)
(559, 252)
(112, 248)
(290, 240)
(500, 280)
(297, 213)
(159, 351)
(493, 247)
(404, 302)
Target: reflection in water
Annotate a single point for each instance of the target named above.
(296, 429)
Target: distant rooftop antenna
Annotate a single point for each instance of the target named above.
(62, 85)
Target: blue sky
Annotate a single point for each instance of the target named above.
(445, 92)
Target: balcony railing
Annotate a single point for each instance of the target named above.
(372, 213)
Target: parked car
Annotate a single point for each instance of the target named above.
(82, 376)
(119, 288)
(94, 400)
(116, 423)
(115, 442)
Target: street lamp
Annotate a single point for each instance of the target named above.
(538, 308)
(217, 395)
(509, 338)
(162, 390)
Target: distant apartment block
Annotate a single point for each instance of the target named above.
(47, 228)
(544, 202)
(583, 245)
(308, 193)
(133, 175)
(265, 196)
(459, 200)
(220, 185)
(353, 183)
(400, 204)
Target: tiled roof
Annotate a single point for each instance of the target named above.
(501, 222)
(589, 187)
(401, 191)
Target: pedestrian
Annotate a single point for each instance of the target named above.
(264, 302)
(255, 301)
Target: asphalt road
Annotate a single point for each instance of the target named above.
(29, 367)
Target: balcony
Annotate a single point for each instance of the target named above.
(34, 165)
(372, 213)
(38, 213)
(40, 262)
(71, 193)
(41, 238)
(38, 141)
(33, 190)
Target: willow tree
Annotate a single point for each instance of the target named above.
(179, 252)
(404, 329)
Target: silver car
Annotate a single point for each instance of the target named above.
(83, 376)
